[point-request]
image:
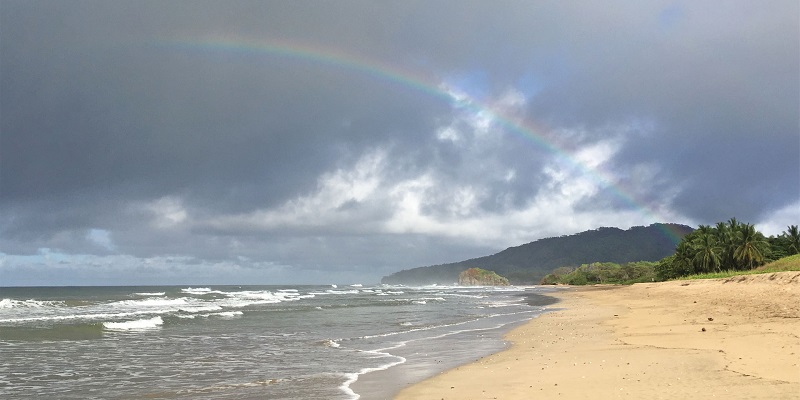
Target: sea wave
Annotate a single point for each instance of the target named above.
(149, 303)
(31, 303)
(342, 291)
(201, 291)
(135, 325)
(227, 314)
(150, 294)
(353, 377)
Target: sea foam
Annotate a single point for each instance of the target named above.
(31, 303)
(136, 325)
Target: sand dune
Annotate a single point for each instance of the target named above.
(735, 338)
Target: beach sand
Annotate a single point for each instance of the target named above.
(733, 338)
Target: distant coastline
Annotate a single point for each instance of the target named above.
(528, 263)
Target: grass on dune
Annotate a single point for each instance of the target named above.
(791, 263)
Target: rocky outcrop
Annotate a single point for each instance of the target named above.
(481, 277)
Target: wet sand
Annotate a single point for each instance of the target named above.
(734, 338)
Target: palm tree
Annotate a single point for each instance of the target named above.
(733, 224)
(707, 253)
(725, 239)
(684, 256)
(704, 230)
(751, 248)
(793, 237)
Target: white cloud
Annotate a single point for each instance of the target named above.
(777, 222)
(341, 198)
(375, 196)
(511, 100)
(448, 133)
(166, 212)
(595, 155)
(101, 237)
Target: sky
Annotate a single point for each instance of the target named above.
(279, 142)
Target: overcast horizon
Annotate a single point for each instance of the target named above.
(267, 142)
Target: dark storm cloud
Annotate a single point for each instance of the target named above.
(118, 138)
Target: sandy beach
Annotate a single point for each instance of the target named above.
(733, 338)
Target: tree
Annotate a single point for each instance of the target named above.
(665, 269)
(683, 263)
(793, 238)
(725, 239)
(752, 247)
(707, 251)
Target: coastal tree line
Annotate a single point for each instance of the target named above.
(602, 273)
(726, 246)
(730, 245)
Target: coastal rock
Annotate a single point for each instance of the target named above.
(481, 277)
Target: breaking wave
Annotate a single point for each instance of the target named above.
(136, 325)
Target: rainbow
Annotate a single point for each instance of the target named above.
(430, 86)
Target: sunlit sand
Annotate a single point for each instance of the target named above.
(734, 338)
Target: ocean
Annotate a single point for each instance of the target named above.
(246, 342)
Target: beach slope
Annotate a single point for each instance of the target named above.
(733, 338)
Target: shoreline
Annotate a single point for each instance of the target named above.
(422, 359)
(728, 338)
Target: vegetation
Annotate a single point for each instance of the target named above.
(479, 276)
(726, 249)
(529, 263)
(789, 263)
(603, 273)
(727, 246)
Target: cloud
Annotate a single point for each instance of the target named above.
(101, 237)
(778, 221)
(475, 203)
(339, 201)
(166, 211)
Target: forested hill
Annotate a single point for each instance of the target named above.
(530, 262)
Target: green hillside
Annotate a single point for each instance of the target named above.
(528, 263)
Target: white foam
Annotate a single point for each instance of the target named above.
(352, 377)
(136, 325)
(227, 314)
(201, 291)
(250, 297)
(150, 294)
(149, 302)
(200, 308)
(196, 290)
(31, 303)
